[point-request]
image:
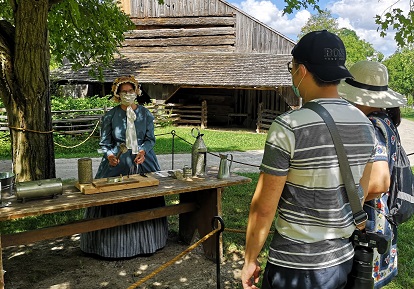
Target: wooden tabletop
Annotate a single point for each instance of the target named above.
(72, 198)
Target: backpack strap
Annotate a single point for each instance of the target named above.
(380, 123)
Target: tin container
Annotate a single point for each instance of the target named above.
(85, 171)
(7, 183)
(39, 189)
(187, 172)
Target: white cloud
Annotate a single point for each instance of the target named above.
(357, 15)
(268, 13)
(360, 16)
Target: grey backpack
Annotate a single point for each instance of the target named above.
(401, 199)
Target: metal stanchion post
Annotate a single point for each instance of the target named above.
(218, 252)
(172, 149)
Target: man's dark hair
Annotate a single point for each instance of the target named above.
(322, 83)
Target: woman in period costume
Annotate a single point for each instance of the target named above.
(131, 125)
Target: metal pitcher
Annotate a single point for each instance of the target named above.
(225, 166)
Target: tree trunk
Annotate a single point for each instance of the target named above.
(26, 95)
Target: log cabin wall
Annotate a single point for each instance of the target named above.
(197, 26)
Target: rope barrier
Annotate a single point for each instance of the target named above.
(82, 142)
(240, 231)
(256, 166)
(54, 131)
(30, 130)
(176, 258)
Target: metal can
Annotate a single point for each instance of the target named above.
(187, 172)
(39, 189)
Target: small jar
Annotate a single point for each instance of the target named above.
(187, 172)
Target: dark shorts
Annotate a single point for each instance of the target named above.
(276, 277)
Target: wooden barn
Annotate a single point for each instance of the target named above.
(188, 51)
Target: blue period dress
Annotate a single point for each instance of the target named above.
(385, 265)
(133, 239)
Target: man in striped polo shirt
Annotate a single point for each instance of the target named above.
(300, 178)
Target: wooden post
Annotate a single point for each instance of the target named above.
(259, 117)
(203, 114)
(1, 267)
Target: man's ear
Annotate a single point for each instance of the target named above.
(303, 70)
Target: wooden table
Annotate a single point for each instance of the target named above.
(200, 201)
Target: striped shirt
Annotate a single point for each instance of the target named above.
(314, 218)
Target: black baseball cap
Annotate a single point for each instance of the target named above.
(323, 53)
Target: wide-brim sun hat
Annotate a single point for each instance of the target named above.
(121, 80)
(370, 86)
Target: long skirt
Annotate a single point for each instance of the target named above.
(127, 240)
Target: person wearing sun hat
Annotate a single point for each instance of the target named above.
(131, 125)
(300, 181)
(369, 92)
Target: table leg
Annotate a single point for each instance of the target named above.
(208, 205)
(1, 267)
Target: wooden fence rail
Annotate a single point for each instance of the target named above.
(80, 121)
(265, 117)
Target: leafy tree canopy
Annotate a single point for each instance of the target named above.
(322, 20)
(402, 22)
(401, 70)
(356, 48)
(85, 32)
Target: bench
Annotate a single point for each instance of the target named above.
(265, 117)
(232, 116)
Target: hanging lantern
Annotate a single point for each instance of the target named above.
(198, 154)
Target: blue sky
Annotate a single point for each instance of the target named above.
(357, 15)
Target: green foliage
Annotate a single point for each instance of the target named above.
(405, 278)
(215, 140)
(393, 19)
(87, 32)
(6, 12)
(408, 112)
(82, 146)
(5, 145)
(292, 5)
(322, 20)
(68, 103)
(32, 223)
(356, 48)
(401, 70)
(403, 24)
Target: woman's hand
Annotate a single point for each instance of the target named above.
(140, 158)
(113, 161)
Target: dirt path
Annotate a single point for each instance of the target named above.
(59, 264)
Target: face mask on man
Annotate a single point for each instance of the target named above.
(296, 88)
(128, 98)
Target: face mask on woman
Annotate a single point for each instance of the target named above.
(128, 98)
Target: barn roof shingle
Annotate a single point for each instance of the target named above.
(254, 70)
